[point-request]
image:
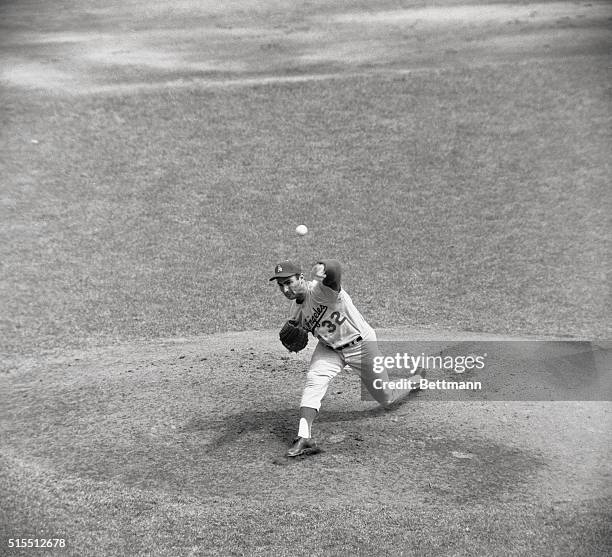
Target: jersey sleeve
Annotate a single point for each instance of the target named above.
(333, 274)
(322, 294)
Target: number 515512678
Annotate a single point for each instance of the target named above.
(37, 542)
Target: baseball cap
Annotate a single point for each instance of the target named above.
(286, 269)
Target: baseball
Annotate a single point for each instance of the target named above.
(301, 230)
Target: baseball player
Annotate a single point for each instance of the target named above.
(322, 307)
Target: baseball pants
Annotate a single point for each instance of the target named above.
(326, 363)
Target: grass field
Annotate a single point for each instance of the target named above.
(156, 160)
(479, 195)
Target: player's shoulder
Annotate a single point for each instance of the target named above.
(324, 293)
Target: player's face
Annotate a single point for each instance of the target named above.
(292, 287)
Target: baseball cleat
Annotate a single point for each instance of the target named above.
(302, 446)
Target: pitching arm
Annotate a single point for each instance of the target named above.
(329, 271)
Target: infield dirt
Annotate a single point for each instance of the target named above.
(179, 442)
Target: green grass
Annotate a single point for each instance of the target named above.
(470, 199)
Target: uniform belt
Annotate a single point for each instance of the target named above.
(354, 341)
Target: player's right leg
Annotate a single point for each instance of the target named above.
(325, 364)
(361, 359)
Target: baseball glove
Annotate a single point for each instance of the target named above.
(293, 337)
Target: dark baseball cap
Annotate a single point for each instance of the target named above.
(286, 269)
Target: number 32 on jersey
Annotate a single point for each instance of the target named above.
(334, 320)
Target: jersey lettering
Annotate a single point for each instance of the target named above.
(313, 322)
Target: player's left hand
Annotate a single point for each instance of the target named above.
(293, 337)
